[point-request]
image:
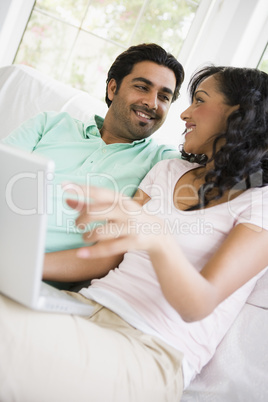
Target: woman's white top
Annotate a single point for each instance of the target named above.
(132, 290)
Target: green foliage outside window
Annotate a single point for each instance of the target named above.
(76, 41)
(263, 65)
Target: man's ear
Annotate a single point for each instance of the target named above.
(111, 89)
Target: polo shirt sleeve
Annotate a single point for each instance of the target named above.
(28, 134)
(166, 152)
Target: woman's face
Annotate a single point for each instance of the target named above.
(206, 117)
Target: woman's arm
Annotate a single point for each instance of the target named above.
(194, 295)
(242, 256)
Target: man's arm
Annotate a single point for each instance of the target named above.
(141, 197)
(65, 266)
(28, 134)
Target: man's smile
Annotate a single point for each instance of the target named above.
(144, 115)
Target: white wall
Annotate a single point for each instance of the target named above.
(12, 25)
(4, 7)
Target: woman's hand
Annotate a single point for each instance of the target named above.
(124, 224)
(192, 294)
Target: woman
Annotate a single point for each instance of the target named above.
(193, 253)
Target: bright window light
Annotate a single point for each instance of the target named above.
(76, 41)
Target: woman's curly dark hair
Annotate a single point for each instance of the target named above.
(242, 162)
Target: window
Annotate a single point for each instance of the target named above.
(76, 41)
(263, 64)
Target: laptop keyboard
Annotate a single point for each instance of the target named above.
(53, 299)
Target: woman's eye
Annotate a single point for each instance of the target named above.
(199, 100)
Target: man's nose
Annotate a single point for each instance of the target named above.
(151, 100)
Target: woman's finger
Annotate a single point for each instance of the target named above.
(99, 199)
(92, 193)
(109, 230)
(107, 248)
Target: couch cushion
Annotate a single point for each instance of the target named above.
(259, 295)
(24, 92)
(238, 370)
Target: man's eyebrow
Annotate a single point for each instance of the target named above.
(148, 82)
(201, 90)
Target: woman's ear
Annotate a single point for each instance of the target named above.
(111, 88)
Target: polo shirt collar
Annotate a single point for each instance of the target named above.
(95, 123)
(93, 126)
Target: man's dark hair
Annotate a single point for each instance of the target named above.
(124, 63)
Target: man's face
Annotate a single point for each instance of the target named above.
(141, 104)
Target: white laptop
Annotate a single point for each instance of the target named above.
(24, 180)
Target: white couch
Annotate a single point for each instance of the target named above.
(239, 369)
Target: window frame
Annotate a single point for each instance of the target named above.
(14, 21)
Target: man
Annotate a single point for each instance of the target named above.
(113, 152)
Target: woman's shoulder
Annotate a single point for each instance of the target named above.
(179, 165)
(256, 191)
(167, 172)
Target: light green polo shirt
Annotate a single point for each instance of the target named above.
(81, 156)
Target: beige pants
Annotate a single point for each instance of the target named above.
(62, 358)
